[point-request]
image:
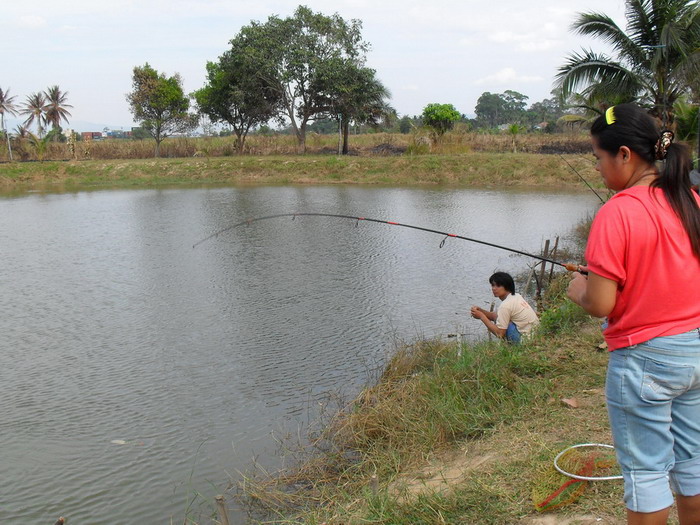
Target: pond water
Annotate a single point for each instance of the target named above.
(136, 371)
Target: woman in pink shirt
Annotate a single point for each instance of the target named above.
(643, 263)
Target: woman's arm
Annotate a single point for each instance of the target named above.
(593, 293)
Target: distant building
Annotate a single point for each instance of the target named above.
(118, 134)
(91, 135)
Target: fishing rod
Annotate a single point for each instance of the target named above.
(569, 266)
(581, 177)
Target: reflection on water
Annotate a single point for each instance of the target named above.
(136, 370)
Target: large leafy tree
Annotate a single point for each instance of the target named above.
(159, 104)
(56, 107)
(494, 109)
(515, 104)
(490, 109)
(290, 54)
(352, 93)
(237, 94)
(656, 60)
(7, 106)
(34, 110)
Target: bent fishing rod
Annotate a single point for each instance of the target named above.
(584, 180)
(569, 266)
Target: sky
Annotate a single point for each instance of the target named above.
(435, 51)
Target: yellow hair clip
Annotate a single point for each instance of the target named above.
(610, 116)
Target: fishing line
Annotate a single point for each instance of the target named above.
(581, 177)
(570, 267)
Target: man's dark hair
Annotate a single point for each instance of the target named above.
(503, 279)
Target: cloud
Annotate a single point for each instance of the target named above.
(31, 21)
(541, 45)
(502, 37)
(507, 76)
(528, 42)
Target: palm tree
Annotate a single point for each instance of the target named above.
(40, 146)
(7, 105)
(587, 107)
(34, 109)
(514, 130)
(657, 61)
(55, 108)
(22, 131)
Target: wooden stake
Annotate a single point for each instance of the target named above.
(553, 255)
(221, 506)
(543, 267)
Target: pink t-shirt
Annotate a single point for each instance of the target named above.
(637, 240)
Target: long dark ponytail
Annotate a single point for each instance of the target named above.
(629, 125)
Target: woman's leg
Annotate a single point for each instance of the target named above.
(688, 509)
(648, 518)
(671, 373)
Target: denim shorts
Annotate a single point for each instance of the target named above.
(512, 333)
(653, 395)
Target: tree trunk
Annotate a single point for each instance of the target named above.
(7, 135)
(301, 138)
(346, 126)
(239, 142)
(157, 148)
(340, 136)
(9, 146)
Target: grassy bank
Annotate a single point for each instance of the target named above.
(458, 433)
(469, 169)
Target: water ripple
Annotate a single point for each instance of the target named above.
(136, 370)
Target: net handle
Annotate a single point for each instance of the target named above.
(583, 478)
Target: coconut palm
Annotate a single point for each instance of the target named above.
(22, 131)
(40, 146)
(34, 109)
(7, 105)
(55, 108)
(585, 108)
(514, 130)
(657, 59)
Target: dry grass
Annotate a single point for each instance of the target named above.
(454, 434)
(368, 144)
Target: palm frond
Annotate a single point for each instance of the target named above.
(7, 103)
(586, 68)
(55, 107)
(602, 26)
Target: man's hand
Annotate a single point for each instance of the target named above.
(477, 313)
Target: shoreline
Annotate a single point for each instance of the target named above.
(516, 170)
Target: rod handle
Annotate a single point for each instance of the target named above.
(575, 268)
